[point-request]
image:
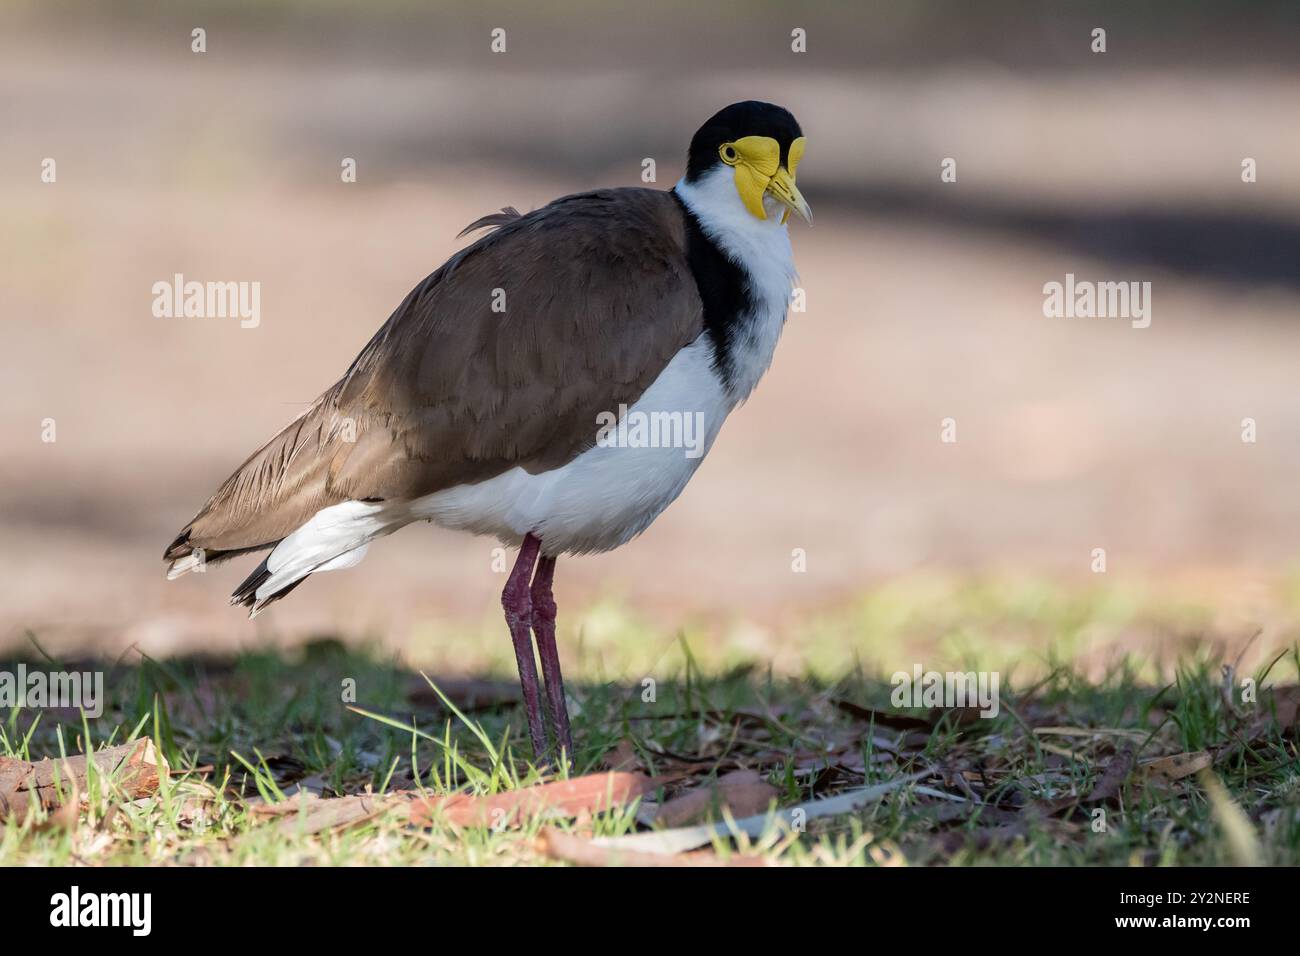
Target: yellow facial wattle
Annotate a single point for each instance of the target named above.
(757, 162)
(796, 154)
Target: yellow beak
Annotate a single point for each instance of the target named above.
(783, 188)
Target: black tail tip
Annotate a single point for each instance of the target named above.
(179, 548)
(246, 593)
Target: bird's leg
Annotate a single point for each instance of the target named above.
(544, 611)
(519, 617)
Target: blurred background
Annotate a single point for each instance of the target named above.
(924, 298)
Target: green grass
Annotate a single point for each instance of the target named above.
(243, 732)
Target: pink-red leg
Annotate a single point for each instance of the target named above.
(544, 613)
(517, 602)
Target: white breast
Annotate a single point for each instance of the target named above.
(611, 492)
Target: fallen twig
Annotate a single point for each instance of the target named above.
(688, 838)
(581, 795)
(572, 849)
(134, 768)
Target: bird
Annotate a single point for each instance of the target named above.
(554, 384)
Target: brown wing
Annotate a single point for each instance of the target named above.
(503, 357)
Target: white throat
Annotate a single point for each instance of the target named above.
(761, 247)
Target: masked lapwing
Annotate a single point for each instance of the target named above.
(555, 385)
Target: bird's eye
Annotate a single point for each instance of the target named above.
(729, 154)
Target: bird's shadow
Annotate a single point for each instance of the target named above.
(1223, 246)
(347, 717)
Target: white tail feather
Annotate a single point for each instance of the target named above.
(336, 537)
(185, 565)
